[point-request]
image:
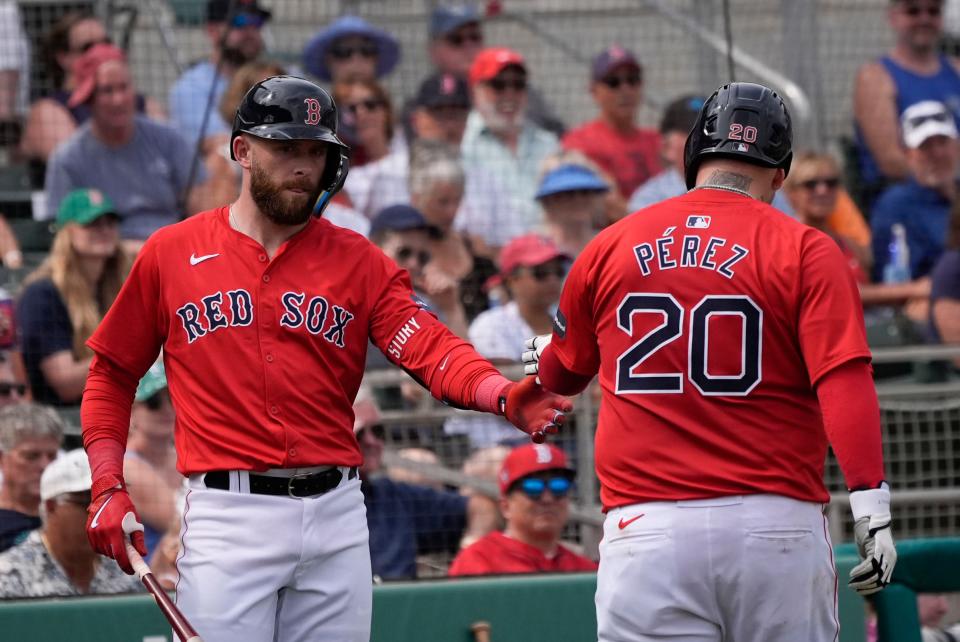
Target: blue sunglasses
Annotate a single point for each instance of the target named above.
(242, 20)
(533, 487)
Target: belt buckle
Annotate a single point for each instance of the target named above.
(292, 479)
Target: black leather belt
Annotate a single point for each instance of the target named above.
(295, 486)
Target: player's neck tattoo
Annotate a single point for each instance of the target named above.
(727, 181)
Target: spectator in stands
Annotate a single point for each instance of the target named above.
(573, 200)
(931, 609)
(403, 234)
(350, 49)
(235, 40)
(14, 63)
(12, 388)
(437, 187)
(150, 463)
(65, 298)
(484, 464)
(439, 110)
(532, 268)
(535, 483)
(141, 165)
(614, 141)
(813, 187)
(10, 255)
(456, 37)
(30, 436)
(945, 288)
(912, 71)
(404, 519)
(52, 120)
(415, 456)
(56, 560)
(921, 203)
(499, 138)
(367, 112)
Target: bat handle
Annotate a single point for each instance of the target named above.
(139, 566)
(481, 631)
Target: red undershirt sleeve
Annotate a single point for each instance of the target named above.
(556, 377)
(851, 418)
(105, 415)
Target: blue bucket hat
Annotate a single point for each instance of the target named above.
(315, 53)
(570, 178)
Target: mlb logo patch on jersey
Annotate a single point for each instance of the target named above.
(698, 222)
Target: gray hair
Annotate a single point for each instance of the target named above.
(22, 421)
(433, 162)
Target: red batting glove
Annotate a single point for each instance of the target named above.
(105, 521)
(534, 409)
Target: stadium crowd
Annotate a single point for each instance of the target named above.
(473, 185)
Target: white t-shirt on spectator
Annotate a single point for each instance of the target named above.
(498, 333)
(15, 51)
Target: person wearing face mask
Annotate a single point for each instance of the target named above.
(535, 484)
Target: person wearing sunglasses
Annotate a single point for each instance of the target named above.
(573, 198)
(535, 486)
(813, 188)
(51, 120)
(234, 31)
(30, 438)
(532, 269)
(351, 49)
(614, 140)
(56, 560)
(150, 462)
(911, 71)
(500, 139)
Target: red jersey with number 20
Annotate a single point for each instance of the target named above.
(710, 318)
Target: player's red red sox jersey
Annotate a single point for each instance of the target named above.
(281, 342)
(710, 317)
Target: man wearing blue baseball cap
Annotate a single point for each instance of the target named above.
(351, 49)
(572, 198)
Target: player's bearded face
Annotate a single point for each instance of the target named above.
(276, 202)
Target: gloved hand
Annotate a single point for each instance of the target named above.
(533, 348)
(105, 521)
(871, 514)
(534, 409)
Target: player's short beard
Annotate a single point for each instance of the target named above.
(280, 208)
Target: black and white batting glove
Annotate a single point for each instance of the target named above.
(871, 529)
(533, 348)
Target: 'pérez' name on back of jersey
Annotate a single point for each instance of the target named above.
(689, 251)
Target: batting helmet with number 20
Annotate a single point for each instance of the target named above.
(742, 121)
(291, 108)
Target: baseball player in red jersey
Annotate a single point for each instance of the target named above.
(263, 312)
(730, 347)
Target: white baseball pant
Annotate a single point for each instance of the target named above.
(756, 568)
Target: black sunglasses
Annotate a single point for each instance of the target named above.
(914, 11)
(500, 84)
(459, 39)
(377, 430)
(343, 52)
(544, 271)
(534, 487)
(831, 183)
(614, 82)
(404, 254)
(370, 104)
(939, 117)
(87, 46)
(7, 388)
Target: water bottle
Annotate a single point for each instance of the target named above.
(897, 269)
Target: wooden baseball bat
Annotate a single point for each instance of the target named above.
(481, 631)
(170, 611)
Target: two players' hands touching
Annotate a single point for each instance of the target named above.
(105, 522)
(534, 409)
(871, 512)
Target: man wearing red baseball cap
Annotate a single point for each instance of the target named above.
(499, 138)
(532, 267)
(535, 484)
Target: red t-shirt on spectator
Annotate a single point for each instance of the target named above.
(631, 158)
(496, 554)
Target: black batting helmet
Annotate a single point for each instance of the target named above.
(291, 108)
(742, 121)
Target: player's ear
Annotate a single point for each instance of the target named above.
(241, 150)
(778, 178)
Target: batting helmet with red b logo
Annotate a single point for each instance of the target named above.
(742, 121)
(291, 108)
